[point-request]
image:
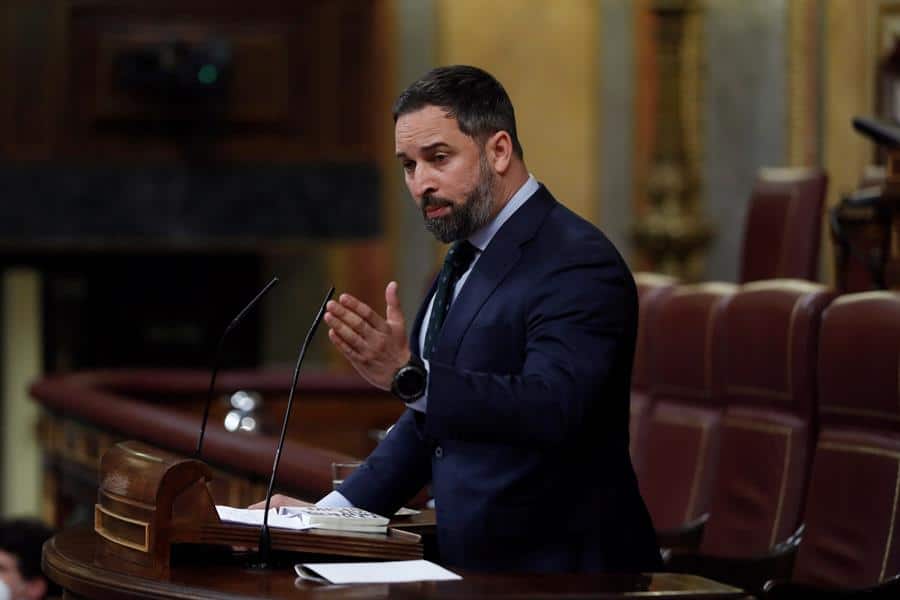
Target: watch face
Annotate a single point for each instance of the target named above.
(410, 382)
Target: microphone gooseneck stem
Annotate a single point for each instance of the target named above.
(265, 542)
(209, 393)
(215, 367)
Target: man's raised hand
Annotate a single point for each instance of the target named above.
(376, 346)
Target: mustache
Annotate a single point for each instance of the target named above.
(431, 201)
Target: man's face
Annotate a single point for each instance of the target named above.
(10, 574)
(19, 587)
(446, 172)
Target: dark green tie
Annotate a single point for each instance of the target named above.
(457, 262)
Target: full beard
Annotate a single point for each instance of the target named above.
(466, 218)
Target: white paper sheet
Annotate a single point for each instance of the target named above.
(254, 516)
(397, 571)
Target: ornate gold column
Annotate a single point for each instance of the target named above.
(851, 56)
(672, 233)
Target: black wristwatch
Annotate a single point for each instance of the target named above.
(410, 380)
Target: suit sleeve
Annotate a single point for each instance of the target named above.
(395, 471)
(577, 327)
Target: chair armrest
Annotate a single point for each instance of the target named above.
(749, 573)
(778, 589)
(686, 537)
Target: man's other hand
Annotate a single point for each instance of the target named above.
(279, 500)
(376, 346)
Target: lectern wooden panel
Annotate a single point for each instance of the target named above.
(149, 500)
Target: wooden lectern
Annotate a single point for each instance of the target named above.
(149, 500)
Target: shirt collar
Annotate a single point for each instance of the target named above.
(481, 238)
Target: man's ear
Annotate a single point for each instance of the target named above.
(499, 149)
(36, 588)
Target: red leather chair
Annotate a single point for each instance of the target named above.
(767, 351)
(783, 225)
(681, 442)
(852, 535)
(651, 287)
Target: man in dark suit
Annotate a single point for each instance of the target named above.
(518, 371)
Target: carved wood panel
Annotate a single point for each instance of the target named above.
(301, 78)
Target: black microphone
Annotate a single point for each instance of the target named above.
(265, 540)
(882, 133)
(215, 367)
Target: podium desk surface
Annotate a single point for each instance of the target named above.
(69, 561)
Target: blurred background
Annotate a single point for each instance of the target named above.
(160, 161)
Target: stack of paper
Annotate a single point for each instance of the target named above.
(254, 516)
(344, 519)
(309, 517)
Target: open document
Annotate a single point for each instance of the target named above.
(308, 517)
(396, 571)
(254, 516)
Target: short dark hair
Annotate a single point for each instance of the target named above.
(23, 538)
(470, 95)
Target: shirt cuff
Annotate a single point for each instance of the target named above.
(421, 404)
(334, 500)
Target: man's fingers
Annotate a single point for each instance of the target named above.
(364, 311)
(280, 500)
(347, 334)
(353, 335)
(341, 345)
(350, 318)
(392, 298)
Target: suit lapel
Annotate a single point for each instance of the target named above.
(501, 255)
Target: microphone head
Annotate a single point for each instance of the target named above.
(883, 133)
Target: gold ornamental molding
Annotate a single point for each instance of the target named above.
(671, 233)
(850, 56)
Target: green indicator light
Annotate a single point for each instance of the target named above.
(207, 74)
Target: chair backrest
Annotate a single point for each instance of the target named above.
(767, 351)
(682, 427)
(852, 535)
(783, 225)
(651, 287)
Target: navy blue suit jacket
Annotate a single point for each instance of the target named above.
(525, 439)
